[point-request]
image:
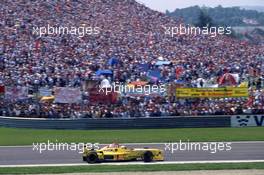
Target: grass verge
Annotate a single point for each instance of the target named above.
(12, 136)
(131, 168)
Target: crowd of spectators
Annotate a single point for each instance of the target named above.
(156, 107)
(130, 32)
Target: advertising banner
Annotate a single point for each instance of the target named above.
(247, 120)
(224, 92)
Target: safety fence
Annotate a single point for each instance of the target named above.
(135, 123)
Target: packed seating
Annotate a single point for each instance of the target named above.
(132, 34)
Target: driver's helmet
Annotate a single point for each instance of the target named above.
(123, 147)
(114, 145)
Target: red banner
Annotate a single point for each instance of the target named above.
(2, 89)
(96, 97)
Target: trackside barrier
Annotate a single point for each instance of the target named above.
(132, 123)
(136, 123)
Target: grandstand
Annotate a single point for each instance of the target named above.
(56, 76)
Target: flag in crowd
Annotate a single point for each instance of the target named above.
(67, 95)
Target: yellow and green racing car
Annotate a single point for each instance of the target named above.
(115, 152)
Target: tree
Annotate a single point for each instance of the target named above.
(204, 20)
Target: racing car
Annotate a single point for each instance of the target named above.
(116, 152)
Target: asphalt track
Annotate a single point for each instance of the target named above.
(25, 155)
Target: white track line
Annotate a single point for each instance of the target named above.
(238, 142)
(134, 163)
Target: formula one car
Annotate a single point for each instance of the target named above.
(115, 152)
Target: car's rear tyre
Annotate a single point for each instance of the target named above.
(148, 156)
(84, 159)
(92, 157)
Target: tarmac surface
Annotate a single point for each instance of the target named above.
(203, 152)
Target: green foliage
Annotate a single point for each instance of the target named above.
(231, 16)
(131, 168)
(12, 136)
(204, 20)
